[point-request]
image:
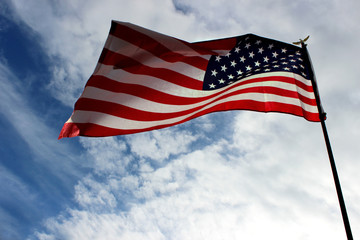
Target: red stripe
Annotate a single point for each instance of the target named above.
(220, 44)
(139, 91)
(149, 44)
(207, 47)
(94, 130)
(132, 66)
(104, 83)
(126, 112)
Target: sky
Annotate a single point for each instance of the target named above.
(228, 175)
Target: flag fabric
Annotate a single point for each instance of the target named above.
(145, 80)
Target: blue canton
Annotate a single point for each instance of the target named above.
(253, 55)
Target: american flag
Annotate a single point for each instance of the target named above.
(145, 80)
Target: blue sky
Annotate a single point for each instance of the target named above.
(230, 175)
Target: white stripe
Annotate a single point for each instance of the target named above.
(120, 75)
(148, 59)
(107, 120)
(222, 52)
(151, 106)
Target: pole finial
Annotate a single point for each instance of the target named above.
(302, 41)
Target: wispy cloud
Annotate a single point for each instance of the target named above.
(33, 130)
(46, 174)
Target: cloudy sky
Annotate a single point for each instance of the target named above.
(229, 175)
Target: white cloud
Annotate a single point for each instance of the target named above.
(159, 145)
(209, 194)
(228, 188)
(94, 195)
(107, 155)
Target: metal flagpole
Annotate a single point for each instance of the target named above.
(327, 141)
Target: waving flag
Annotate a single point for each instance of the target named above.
(145, 80)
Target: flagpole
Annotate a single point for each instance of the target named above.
(322, 115)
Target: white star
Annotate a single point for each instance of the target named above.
(295, 67)
(258, 42)
(221, 81)
(223, 68)
(292, 60)
(298, 53)
(242, 59)
(214, 72)
(284, 63)
(218, 58)
(286, 68)
(257, 64)
(275, 54)
(237, 49)
(230, 76)
(228, 54)
(276, 66)
(212, 85)
(251, 54)
(261, 50)
(267, 70)
(239, 72)
(271, 46)
(247, 45)
(302, 66)
(233, 63)
(248, 68)
(266, 59)
(283, 50)
(300, 59)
